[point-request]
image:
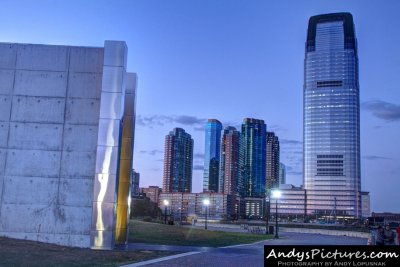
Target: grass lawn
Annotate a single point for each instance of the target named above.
(15, 252)
(154, 233)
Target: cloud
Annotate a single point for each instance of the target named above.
(161, 120)
(188, 120)
(151, 152)
(276, 128)
(376, 158)
(383, 110)
(290, 142)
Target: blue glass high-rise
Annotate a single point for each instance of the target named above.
(178, 162)
(212, 156)
(332, 117)
(253, 158)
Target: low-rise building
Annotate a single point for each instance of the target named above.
(387, 216)
(253, 207)
(365, 205)
(181, 206)
(152, 192)
(292, 202)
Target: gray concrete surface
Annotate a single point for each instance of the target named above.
(52, 101)
(242, 255)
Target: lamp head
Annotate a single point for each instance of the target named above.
(276, 194)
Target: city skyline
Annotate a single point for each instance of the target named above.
(195, 51)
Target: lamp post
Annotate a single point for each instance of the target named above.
(206, 203)
(267, 204)
(276, 194)
(166, 203)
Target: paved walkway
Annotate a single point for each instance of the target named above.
(240, 255)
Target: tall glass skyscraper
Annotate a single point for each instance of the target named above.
(212, 156)
(178, 162)
(272, 171)
(332, 117)
(253, 157)
(229, 169)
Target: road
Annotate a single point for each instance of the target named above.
(246, 255)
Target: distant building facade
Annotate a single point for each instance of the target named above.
(365, 204)
(252, 207)
(212, 156)
(387, 216)
(272, 167)
(282, 173)
(229, 166)
(292, 201)
(253, 158)
(184, 205)
(332, 117)
(178, 162)
(135, 190)
(152, 192)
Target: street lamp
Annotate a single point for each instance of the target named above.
(206, 203)
(166, 203)
(276, 194)
(267, 204)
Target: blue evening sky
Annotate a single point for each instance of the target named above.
(229, 60)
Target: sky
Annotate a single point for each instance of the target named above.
(231, 59)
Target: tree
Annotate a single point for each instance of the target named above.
(144, 208)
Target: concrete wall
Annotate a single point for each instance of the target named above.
(49, 127)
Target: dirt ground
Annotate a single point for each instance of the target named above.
(14, 252)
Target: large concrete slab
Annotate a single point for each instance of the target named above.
(4, 126)
(31, 218)
(84, 85)
(78, 164)
(38, 109)
(5, 107)
(77, 220)
(6, 81)
(80, 138)
(82, 111)
(40, 83)
(3, 156)
(33, 163)
(8, 55)
(44, 136)
(42, 57)
(14, 185)
(85, 59)
(70, 188)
